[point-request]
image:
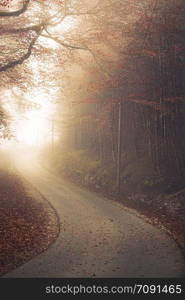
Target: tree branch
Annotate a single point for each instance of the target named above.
(63, 43)
(74, 47)
(17, 12)
(19, 61)
(35, 28)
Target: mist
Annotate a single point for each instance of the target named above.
(92, 103)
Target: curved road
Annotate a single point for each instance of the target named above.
(98, 238)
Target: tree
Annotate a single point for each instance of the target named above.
(107, 52)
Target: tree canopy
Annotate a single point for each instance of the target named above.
(108, 50)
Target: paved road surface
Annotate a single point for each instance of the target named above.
(98, 237)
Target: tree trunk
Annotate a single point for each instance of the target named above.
(118, 175)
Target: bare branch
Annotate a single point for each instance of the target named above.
(102, 69)
(74, 47)
(63, 43)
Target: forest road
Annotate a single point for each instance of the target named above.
(98, 237)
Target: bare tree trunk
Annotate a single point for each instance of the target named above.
(118, 175)
(112, 137)
(52, 136)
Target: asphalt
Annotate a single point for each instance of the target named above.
(98, 237)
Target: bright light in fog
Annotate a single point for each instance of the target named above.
(33, 129)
